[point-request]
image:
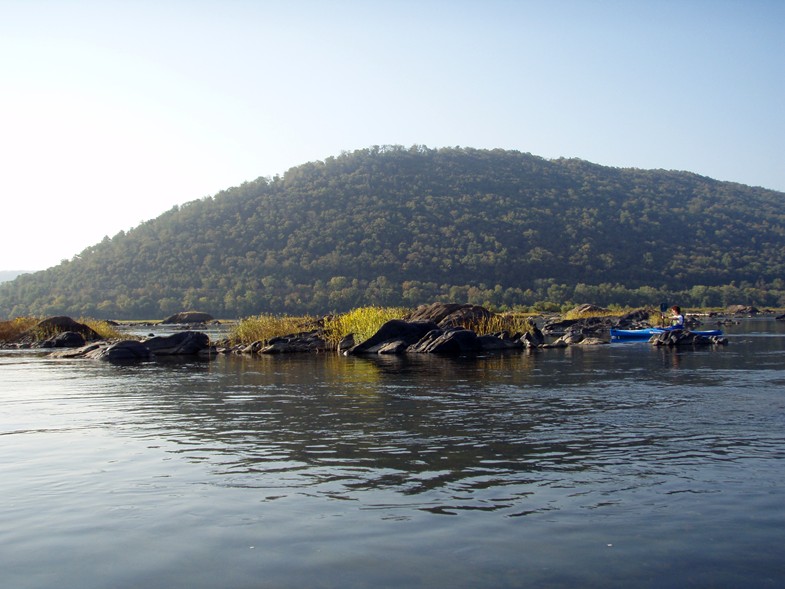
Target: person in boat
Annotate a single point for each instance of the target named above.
(677, 318)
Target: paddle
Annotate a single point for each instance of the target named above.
(663, 308)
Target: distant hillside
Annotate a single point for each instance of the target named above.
(6, 275)
(396, 225)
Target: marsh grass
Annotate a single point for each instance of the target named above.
(11, 330)
(577, 315)
(104, 329)
(265, 327)
(28, 327)
(362, 322)
(511, 323)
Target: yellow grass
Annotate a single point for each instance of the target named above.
(265, 327)
(11, 330)
(511, 323)
(362, 322)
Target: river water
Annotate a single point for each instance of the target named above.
(616, 466)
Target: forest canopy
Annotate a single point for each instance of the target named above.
(404, 226)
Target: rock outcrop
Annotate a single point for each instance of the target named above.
(187, 317)
(184, 343)
(684, 337)
(405, 333)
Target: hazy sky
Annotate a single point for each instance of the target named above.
(113, 112)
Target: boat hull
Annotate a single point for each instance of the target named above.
(644, 334)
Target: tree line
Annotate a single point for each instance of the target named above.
(404, 226)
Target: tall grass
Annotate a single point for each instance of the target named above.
(264, 327)
(511, 323)
(12, 329)
(104, 329)
(362, 323)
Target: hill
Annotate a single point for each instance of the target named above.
(6, 275)
(394, 225)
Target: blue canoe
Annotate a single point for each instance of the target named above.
(639, 334)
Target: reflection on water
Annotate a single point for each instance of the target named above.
(322, 470)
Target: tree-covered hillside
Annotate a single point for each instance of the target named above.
(396, 225)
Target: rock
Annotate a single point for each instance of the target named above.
(310, 341)
(533, 338)
(53, 326)
(67, 339)
(185, 343)
(592, 341)
(635, 319)
(409, 332)
(188, 317)
(683, 337)
(122, 351)
(447, 315)
(346, 343)
(780, 318)
(450, 341)
(494, 343)
(394, 347)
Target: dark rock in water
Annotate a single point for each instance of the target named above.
(188, 317)
(449, 341)
(185, 343)
(122, 351)
(634, 319)
(446, 315)
(495, 343)
(67, 339)
(310, 341)
(683, 337)
(780, 318)
(409, 332)
(346, 343)
(586, 326)
(533, 338)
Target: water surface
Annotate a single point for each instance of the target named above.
(613, 466)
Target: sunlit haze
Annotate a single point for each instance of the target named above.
(113, 112)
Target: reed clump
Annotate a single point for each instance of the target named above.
(12, 329)
(362, 323)
(103, 328)
(497, 323)
(265, 327)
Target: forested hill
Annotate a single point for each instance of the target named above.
(395, 225)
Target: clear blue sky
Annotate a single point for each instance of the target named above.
(113, 112)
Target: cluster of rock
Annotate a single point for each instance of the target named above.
(438, 328)
(185, 343)
(683, 337)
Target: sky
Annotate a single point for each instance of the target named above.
(112, 112)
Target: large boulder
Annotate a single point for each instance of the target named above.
(447, 315)
(409, 332)
(52, 326)
(67, 339)
(122, 351)
(450, 341)
(184, 343)
(186, 317)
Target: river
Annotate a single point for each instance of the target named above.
(622, 465)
